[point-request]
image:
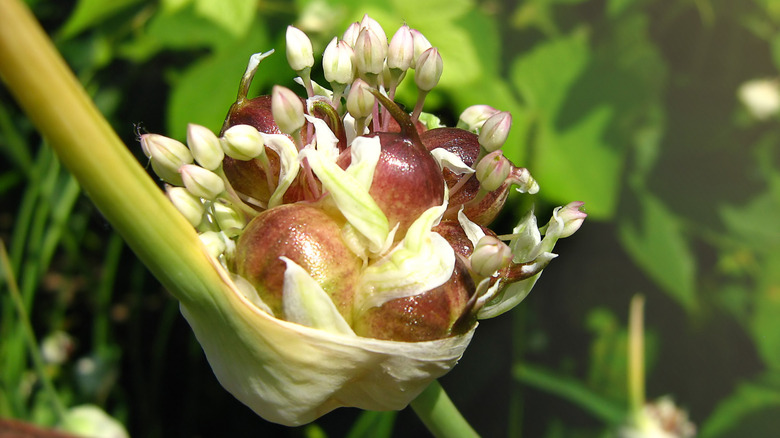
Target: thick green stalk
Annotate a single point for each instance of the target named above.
(55, 101)
(440, 415)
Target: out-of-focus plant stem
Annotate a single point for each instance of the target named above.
(440, 415)
(52, 97)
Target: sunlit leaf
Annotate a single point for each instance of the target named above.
(91, 12)
(588, 100)
(205, 91)
(655, 241)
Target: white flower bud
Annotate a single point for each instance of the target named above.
(360, 101)
(490, 255)
(338, 62)
(167, 155)
(421, 44)
(201, 182)
(205, 146)
(492, 171)
(428, 69)
(90, 420)
(370, 53)
(230, 221)
(369, 23)
(243, 142)
(351, 34)
(287, 109)
(761, 97)
(213, 242)
(473, 117)
(400, 53)
(495, 131)
(188, 204)
(299, 51)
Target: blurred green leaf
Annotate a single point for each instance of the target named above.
(91, 12)
(372, 424)
(589, 98)
(755, 223)
(235, 16)
(655, 241)
(731, 413)
(205, 91)
(766, 324)
(192, 24)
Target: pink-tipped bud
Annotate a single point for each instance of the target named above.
(495, 131)
(490, 256)
(369, 23)
(421, 44)
(428, 70)
(338, 62)
(287, 109)
(360, 101)
(205, 146)
(201, 182)
(400, 53)
(299, 51)
(572, 217)
(351, 34)
(473, 117)
(370, 53)
(492, 171)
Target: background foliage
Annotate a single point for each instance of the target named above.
(629, 105)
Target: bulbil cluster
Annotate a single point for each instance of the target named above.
(343, 212)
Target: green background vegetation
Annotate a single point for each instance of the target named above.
(628, 105)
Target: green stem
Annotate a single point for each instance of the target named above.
(636, 356)
(52, 97)
(440, 415)
(32, 343)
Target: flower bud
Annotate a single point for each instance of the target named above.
(230, 221)
(490, 256)
(90, 420)
(495, 131)
(572, 218)
(428, 69)
(421, 44)
(338, 62)
(351, 34)
(761, 97)
(287, 109)
(202, 182)
(167, 156)
(299, 51)
(492, 171)
(213, 242)
(243, 142)
(400, 53)
(360, 101)
(473, 117)
(205, 146)
(188, 204)
(369, 23)
(370, 53)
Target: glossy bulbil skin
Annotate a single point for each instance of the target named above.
(424, 317)
(307, 235)
(465, 145)
(407, 180)
(248, 177)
